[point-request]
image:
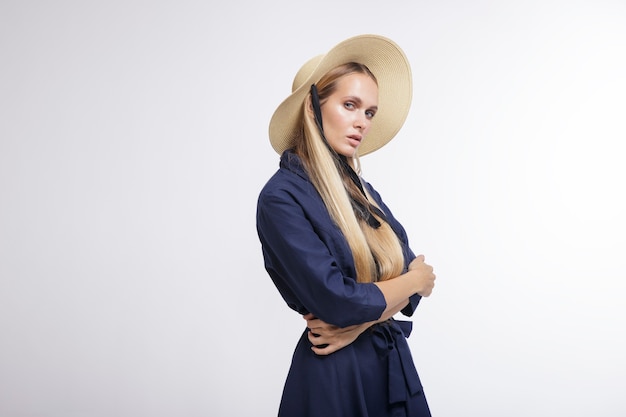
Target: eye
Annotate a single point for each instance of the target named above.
(370, 113)
(349, 105)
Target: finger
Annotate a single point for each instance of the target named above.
(308, 316)
(420, 258)
(323, 351)
(428, 291)
(319, 336)
(314, 338)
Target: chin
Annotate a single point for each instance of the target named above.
(349, 153)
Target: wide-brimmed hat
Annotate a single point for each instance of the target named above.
(384, 59)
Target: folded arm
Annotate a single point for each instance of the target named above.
(327, 338)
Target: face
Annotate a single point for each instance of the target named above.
(347, 113)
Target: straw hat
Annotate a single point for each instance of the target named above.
(384, 59)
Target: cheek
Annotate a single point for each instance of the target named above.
(332, 118)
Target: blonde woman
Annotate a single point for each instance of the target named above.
(333, 248)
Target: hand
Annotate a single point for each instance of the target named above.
(327, 338)
(426, 277)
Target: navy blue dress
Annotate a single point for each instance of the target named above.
(311, 265)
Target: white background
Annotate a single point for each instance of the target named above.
(133, 145)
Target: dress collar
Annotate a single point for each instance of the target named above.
(292, 162)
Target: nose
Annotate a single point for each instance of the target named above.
(361, 121)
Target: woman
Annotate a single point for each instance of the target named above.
(332, 247)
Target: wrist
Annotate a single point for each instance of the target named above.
(413, 277)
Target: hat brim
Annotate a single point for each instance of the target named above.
(391, 68)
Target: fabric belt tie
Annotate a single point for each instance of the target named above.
(388, 341)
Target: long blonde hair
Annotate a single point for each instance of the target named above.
(376, 252)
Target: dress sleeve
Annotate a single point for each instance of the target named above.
(414, 300)
(305, 270)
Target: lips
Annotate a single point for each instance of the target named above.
(356, 139)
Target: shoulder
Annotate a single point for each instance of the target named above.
(373, 192)
(285, 183)
(395, 224)
(289, 180)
